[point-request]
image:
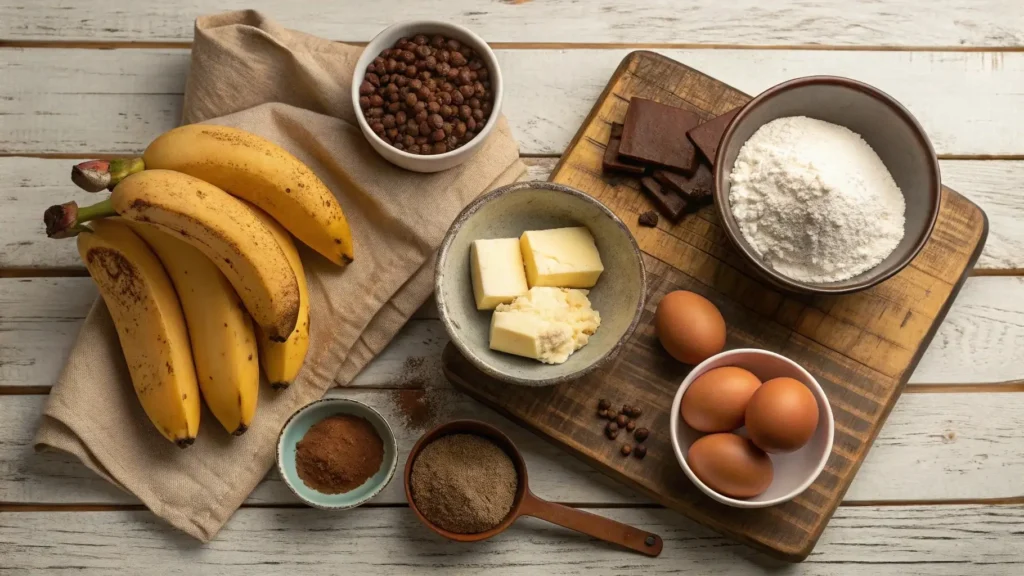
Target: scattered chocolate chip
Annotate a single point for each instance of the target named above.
(640, 451)
(637, 412)
(621, 420)
(604, 404)
(602, 413)
(612, 426)
(649, 219)
(626, 449)
(630, 426)
(641, 434)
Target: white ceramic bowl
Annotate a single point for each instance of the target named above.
(386, 39)
(794, 471)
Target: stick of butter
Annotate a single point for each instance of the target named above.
(547, 324)
(497, 269)
(565, 257)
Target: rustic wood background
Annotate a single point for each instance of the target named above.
(941, 491)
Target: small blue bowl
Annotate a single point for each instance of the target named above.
(300, 423)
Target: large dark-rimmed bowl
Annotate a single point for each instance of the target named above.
(884, 124)
(506, 213)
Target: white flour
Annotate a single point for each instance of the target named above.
(815, 201)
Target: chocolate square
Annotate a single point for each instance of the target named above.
(612, 161)
(654, 133)
(707, 136)
(671, 204)
(697, 189)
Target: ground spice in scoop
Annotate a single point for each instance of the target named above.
(338, 454)
(464, 483)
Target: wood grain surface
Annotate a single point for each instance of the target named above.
(75, 101)
(952, 23)
(861, 347)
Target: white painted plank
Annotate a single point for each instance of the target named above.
(981, 341)
(934, 447)
(868, 541)
(29, 185)
(746, 22)
(117, 101)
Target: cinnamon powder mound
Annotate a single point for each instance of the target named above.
(464, 483)
(339, 454)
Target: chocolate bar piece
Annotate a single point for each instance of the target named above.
(697, 189)
(671, 204)
(612, 161)
(654, 133)
(707, 136)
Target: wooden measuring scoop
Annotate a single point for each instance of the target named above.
(525, 502)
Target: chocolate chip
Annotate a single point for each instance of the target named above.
(640, 451)
(626, 449)
(648, 219)
(641, 434)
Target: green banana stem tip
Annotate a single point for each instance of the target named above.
(65, 220)
(97, 175)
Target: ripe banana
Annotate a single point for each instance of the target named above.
(226, 231)
(283, 360)
(150, 325)
(257, 170)
(223, 341)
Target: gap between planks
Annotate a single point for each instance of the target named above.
(1008, 501)
(142, 44)
(1014, 386)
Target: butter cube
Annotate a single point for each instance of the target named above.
(531, 336)
(564, 257)
(497, 269)
(547, 324)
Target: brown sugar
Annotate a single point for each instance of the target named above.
(339, 454)
(464, 483)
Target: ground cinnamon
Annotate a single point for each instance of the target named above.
(339, 454)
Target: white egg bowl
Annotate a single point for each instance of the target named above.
(793, 471)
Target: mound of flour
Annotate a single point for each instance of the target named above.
(815, 201)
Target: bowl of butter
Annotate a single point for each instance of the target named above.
(538, 283)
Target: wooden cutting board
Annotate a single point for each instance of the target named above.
(861, 347)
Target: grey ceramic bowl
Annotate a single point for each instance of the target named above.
(300, 423)
(506, 213)
(884, 124)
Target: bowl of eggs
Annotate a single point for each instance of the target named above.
(751, 428)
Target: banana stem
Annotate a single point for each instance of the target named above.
(96, 175)
(65, 220)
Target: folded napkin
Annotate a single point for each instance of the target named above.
(293, 89)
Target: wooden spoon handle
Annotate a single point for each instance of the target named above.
(592, 525)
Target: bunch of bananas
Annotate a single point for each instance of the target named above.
(191, 249)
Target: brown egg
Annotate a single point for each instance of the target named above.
(729, 464)
(717, 400)
(689, 326)
(781, 415)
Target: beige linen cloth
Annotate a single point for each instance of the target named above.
(294, 89)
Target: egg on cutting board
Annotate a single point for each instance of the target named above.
(689, 326)
(781, 415)
(730, 464)
(716, 401)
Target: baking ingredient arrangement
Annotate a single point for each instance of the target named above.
(534, 285)
(196, 274)
(464, 483)
(427, 95)
(193, 254)
(815, 201)
(777, 416)
(339, 454)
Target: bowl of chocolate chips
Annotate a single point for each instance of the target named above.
(427, 94)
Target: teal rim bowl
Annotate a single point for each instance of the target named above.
(304, 419)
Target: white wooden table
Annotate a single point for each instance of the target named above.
(942, 492)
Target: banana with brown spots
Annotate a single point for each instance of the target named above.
(221, 332)
(150, 326)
